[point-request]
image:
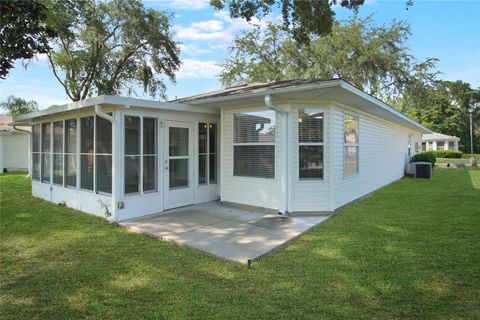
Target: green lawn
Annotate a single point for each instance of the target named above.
(410, 251)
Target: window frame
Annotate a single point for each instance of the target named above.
(299, 144)
(95, 154)
(76, 153)
(272, 143)
(80, 153)
(38, 152)
(61, 154)
(141, 154)
(207, 153)
(349, 145)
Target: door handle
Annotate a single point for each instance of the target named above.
(166, 168)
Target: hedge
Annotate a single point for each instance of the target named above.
(448, 154)
(428, 156)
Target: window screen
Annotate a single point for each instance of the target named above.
(310, 143)
(149, 154)
(103, 155)
(71, 152)
(254, 144)
(58, 152)
(207, 153)
(87, 152)
(132, 154)
(351, 146)
(36, 132)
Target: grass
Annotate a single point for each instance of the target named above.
(465, 159)
(411, 250)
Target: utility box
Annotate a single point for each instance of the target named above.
(421, 169)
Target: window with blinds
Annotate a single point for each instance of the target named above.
(254, 144)
(350, 146)
(310, 144)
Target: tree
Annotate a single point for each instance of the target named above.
(109, 47)
(23, 32)
(16, 106)
(373, 58)
(443, 108)
(301, 18)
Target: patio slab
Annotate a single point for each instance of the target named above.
(231, 233)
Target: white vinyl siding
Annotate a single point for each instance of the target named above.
(254, 191)
(309, 194)
(382, 158)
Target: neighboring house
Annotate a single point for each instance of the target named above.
(291, 146)
(439, 141)
(14, 146)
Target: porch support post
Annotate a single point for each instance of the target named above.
(116, 163)
(284, 152)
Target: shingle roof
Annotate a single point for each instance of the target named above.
(5, 120)
(438, 136)
(251, 87)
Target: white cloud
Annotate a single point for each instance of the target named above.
(223, 29)
(192, 68)
(188, 4)
(208, 26)
(193, 50)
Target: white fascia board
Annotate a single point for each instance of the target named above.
(383, 105)
(112, 100)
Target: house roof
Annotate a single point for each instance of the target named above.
(302, 90)
(438, 136)
(7, 127)
(256, 87)
(289, 90)
(109, 101)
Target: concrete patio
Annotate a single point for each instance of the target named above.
(232, 233)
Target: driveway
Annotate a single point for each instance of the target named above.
(231, 233)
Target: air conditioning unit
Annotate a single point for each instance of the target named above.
(422, 169)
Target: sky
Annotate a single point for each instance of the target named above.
(447, 30)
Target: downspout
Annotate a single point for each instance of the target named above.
(99, 112)
(284, 172)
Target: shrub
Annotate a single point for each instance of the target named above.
(428, 156)
(448, 154)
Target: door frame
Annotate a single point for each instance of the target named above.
(178, 197)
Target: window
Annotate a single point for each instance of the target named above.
(71, 153)
(207, 149)
(36, 132)
(149, 154)
(451, 145)
(350, 152)
(132, 154)
(103, 155)
(86, 152)
(58, 152)
(440, 145)
(254, 144)
(424, 146)
(310, 144)
(46, 132)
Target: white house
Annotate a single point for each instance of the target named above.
(14, 146)
(439, 141)
(291, 146)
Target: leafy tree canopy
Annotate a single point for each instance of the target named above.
(372, 58)
(16, 106)
(110, 47)
(302, 18)
(23, 32)
(443, 108)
